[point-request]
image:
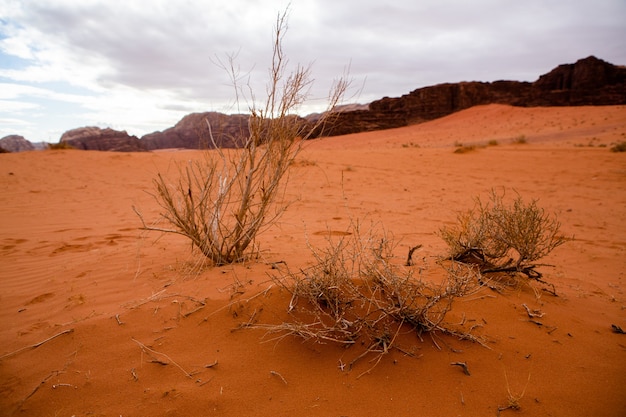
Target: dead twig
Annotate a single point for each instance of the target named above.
(55, 386)
(278, 375)
(153, 297)
(274, 265)
(161, 296)
(36, 345)
(146, 348)
(463, 365)
(211, 365)
(249, 323)
(189, 313)
(533, 313)
(617, 329)
(202, 383)
(409, 258)
(43, 381)
(247, 300)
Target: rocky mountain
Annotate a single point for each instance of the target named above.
(16, 143)
(199, 130)
(95, 138)
(589, 81)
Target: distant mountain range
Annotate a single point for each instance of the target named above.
(589, 81)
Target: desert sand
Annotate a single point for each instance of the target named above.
(100, 318)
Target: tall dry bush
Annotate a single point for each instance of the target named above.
(222, 202)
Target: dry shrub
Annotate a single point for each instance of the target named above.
(619, 147)
(59, 146)
(504, 237)
(465, 149)
(356, 290)
(222, 202)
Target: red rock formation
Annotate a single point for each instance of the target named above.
(94, 138)
(192, 132)
(16, 143)
(589, 81)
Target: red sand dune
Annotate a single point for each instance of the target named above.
(133, 339)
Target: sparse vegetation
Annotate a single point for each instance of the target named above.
(222, 202)
(355, 292)
(492, 142)
(411, 145)
(502, 237)
(465, 149)
(520, 140)
(513, 400)
(59, 146)
(619, 147)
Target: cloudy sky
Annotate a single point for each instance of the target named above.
(141, 65)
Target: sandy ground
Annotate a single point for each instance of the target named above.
(143, 328)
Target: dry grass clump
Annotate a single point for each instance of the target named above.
(504, 237)
(619, 147)
(224, 201)
(465, 149)
(357, 291)
(59, 146)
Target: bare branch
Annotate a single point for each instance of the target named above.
(223, 202)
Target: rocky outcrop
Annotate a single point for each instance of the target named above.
(208, 130)
(587, 74)
(590, 81)
(199, 131)
(97, 139)
(16, 143)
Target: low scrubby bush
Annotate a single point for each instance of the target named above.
(60, 146)
(619, 147)
(504, 237)
(356, 291)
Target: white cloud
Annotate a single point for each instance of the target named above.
(14, 106)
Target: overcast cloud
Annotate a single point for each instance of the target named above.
(140, 65)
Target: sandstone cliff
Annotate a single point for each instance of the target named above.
(589, 81)
(16, 143)
(94, 138)
(199, 130)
